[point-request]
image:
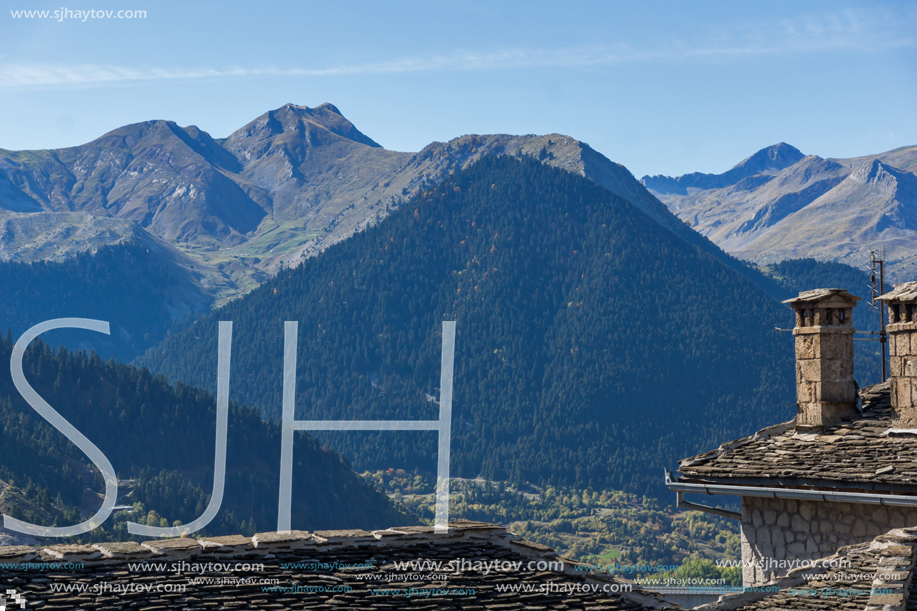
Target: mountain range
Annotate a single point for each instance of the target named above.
(600, 337)
(236, 210)
(233, 211)
(780, 204)
(593, 347)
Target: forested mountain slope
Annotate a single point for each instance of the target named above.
(594, 346)
(163, 438)
(139, 292)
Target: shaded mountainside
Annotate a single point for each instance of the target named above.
(593, 345)
(829, 209)
(139, 292)
(278, 190)
(162, 438)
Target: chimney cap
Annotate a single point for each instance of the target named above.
(811, 297)
(903, 293)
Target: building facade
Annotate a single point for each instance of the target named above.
(844, 470)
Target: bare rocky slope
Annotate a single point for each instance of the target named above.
(779, 204)
(236, 210)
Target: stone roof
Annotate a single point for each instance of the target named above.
(864, 453)
(872, 576)
(903, 292)
(820, 294)
(351, 569)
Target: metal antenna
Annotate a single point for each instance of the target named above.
(877, 289)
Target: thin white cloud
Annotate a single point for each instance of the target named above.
(847, 30)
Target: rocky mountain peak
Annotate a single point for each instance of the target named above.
(874, 171)
(329, 107)
(135, 132)
(768, 161)
(771, 159)
(292, 122)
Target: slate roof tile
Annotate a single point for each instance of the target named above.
(851, 452)
(333, 582)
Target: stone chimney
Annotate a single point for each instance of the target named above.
(902, 343)
(825, 389)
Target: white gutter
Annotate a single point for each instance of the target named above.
(778, 493)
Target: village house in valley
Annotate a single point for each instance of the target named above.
(844, 471)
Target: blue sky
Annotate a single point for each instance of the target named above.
(662, 87)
